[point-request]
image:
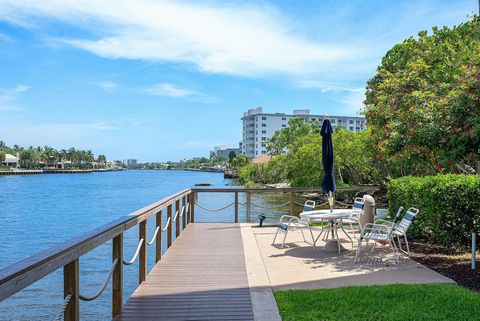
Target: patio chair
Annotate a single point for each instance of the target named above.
(385, 231)
(402, 228)
(358, 204)
(289, 223)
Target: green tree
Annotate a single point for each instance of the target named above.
(2, 157)
(423, 105)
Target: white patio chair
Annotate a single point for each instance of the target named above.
(401, 228)
(289, 223)
(382, 231)
(358, 204)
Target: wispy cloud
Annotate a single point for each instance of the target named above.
(107, 85)
(171, 90)
(331, 87)
(230, 39)
(8, 97)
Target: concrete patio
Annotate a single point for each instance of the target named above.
(270, 268)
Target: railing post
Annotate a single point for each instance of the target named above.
(192, 213)
(236, 207)
(177, 222)
(292, 203)
(169, 228)
(158, 241)
(71, 286)
(142, 262)
(117, 277)
(184, 217)
(249, 208)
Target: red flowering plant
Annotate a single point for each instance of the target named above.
(423, 105)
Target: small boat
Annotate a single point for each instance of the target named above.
(203, 184)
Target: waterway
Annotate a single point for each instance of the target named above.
(40, 211)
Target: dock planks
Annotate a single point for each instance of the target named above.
(202, 277)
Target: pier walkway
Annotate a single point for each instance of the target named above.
(201, 277)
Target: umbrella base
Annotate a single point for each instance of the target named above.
(331, 246)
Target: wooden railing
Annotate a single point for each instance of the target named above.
(180, 209)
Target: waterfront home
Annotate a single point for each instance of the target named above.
(11, 161)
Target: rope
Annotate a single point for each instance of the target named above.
(183, 210)
(104, 285)
(214, 210)
(154, 236)
(60, 313)
(136, 254)
(166, 225)
(271, 207)
(176, 215)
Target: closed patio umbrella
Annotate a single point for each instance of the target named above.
(328, 182)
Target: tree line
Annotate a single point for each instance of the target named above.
(38, 157)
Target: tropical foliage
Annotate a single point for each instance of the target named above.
(46, 156)
(423, 105)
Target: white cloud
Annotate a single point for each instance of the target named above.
(108, 85)
(8, 96)
(171, 90)
(236, 40)
(331, 87)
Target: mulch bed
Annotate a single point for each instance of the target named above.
(450, 262)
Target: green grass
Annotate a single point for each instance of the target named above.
(387, 302)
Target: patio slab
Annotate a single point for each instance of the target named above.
(298, 267)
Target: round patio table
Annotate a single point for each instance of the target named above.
(335, 218)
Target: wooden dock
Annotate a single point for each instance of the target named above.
(202, 277)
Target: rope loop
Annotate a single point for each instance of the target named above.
(104, 285)
(61, 312)
(167, 224)
(154, 236)
(216, 209)
(134, 258)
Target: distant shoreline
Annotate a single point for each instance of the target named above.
(57, 171)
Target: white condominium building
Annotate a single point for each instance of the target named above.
(259, 127)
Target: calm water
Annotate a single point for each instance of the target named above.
(40, 211)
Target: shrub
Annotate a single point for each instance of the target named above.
(449, 206)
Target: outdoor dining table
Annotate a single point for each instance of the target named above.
(335, 218)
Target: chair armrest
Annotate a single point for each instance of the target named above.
(288, 218)
(377, 228)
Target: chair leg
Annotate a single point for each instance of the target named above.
(357, 253)
(338, 240)
(313, 238)
(406, 243)
(347, 235)
(395, 251)
(399, 243)
(351, 229)
(276, 233)
(284, 238)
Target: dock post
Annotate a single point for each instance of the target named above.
(292, 203)
(184, 217)
(169, 228)
(236, 207)
(117, 277)
(177, 221)
(142, 262)
(192, 214)
(158, 241)
(71, 286)
(249, 206)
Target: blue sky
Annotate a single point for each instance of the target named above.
(163, 81)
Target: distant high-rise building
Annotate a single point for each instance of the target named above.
(259, 127)
(223, 152)
(131, 162)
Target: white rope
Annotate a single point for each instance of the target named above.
(183, 210)
(104, 285)
(60, 313)
(176, 216)
(166, 225)
(214, 210)
(136, 254)
(271, 207)
(154, 236)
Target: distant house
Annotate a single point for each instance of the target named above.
(11, 161)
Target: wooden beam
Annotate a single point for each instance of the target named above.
(236, 207)
(177, 222)
(117, 277)
(184, 217)
(142, 259)
(192, 214)
(169, 228)
(71, 286)
(158, 241)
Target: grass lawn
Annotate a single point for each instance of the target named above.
(387, 302)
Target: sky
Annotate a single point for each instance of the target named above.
(169, 80)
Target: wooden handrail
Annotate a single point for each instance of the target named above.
(17, 276)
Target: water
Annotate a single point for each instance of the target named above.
(40, 211)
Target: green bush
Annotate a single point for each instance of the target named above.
(449, 206)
